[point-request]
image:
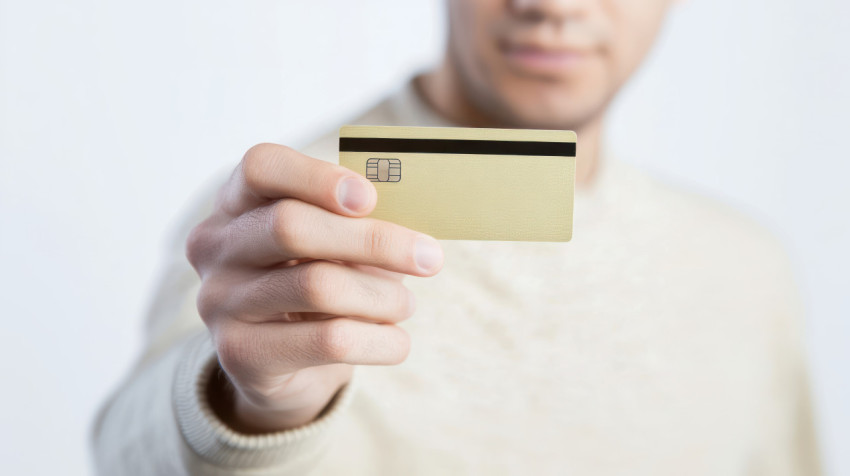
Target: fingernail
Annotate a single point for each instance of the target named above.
(428, 254)
(353, 195)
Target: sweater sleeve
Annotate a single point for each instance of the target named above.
(791, 445)
(158, 420)
(801, 444)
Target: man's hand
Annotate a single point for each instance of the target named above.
(297, 285)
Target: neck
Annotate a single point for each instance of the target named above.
(443, 91)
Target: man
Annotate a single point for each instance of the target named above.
(664, 339)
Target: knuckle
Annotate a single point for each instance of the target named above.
(257, 164)
(314, 282)
(248, 225)
(259, 152)
(198, 244)
(265, 295)
(334, 340)
(374, 296)
(232, 349)
(287, 220)
(378, 240)
(208, 302)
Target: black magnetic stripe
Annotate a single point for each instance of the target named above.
(456, 146)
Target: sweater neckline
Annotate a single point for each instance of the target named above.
(410, 108)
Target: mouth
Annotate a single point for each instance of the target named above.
(536, 59)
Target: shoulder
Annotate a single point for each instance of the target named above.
(713, 233)
(326, 145)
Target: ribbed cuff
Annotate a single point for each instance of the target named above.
(218, 445)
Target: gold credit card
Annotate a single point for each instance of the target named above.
(459, 183)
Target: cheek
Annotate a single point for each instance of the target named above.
(635, 32)
(473, 40)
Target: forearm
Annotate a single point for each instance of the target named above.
(136, 432)
(160, 422)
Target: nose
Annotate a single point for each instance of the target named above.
(542, 10)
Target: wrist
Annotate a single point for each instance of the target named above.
(244, 416)
(248, 418)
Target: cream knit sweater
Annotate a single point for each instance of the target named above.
(664, 339)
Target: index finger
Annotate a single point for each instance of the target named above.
(272, 171)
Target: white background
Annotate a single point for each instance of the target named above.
(112, 114)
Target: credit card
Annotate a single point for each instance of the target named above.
(458, 183)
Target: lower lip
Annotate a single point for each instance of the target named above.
(541, 61)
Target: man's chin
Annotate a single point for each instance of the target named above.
(539, 110)
(543, 118)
